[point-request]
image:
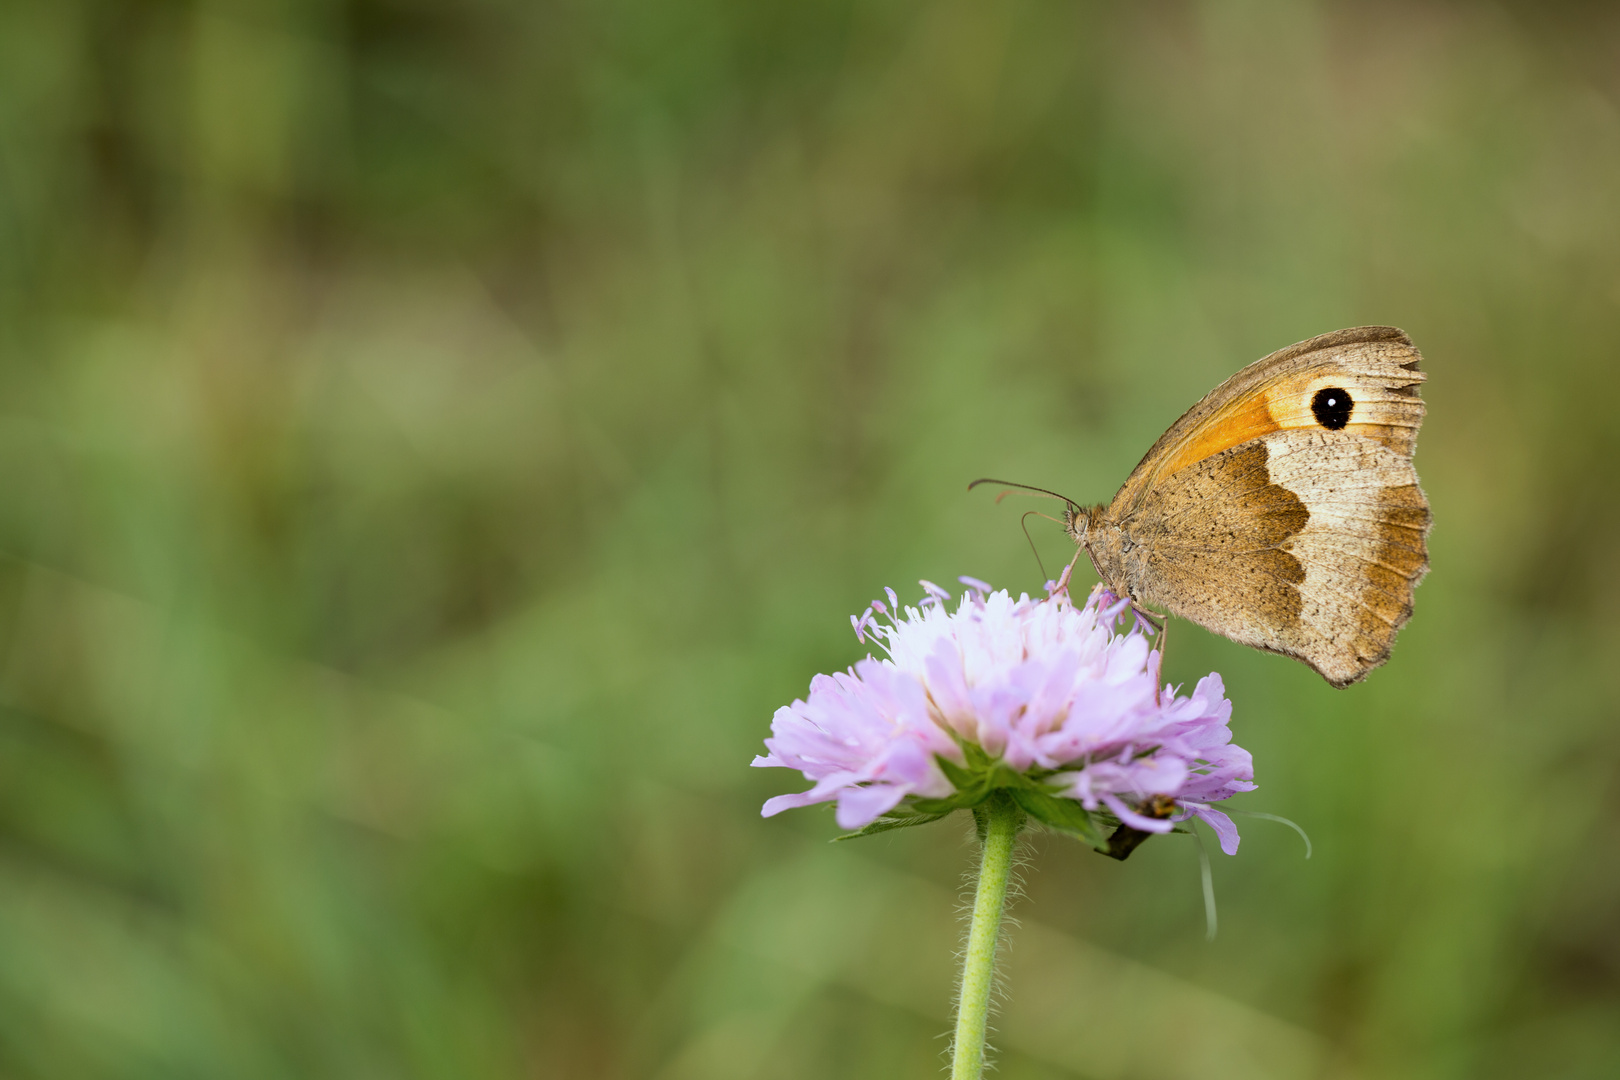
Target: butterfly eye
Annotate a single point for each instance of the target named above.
(1332, 407)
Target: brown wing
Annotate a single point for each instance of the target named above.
(1276, 394)
(1303, 543)
(1279, 525)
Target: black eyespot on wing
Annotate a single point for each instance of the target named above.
(1332, 407)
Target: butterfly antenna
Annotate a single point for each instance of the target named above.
(1023, 487)
(1023, 523)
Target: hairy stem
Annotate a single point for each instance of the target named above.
(999, 819)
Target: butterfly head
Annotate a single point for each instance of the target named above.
(1078, 522)
(1104, 544)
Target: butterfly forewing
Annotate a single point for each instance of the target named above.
(1283, 510)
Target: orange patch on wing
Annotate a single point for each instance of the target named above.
(1238, 424)
(1280, 406)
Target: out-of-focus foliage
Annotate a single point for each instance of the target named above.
(435, 436)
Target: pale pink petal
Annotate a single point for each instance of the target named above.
(1225, 831)
(858, 807)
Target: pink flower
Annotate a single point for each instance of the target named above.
(1037, 696)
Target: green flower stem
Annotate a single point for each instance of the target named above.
(1001, 819)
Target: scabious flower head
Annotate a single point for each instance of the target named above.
(1047, 700)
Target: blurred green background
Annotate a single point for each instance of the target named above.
(434, 437)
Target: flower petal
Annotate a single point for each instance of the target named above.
(1133, 819)
(860, 806)
(1225, 831)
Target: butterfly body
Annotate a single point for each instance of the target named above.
(1282, 510)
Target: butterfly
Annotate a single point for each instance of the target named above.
(1282, 510)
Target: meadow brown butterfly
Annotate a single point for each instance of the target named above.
(1282, 510)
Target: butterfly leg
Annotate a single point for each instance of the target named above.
(1162, 629)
